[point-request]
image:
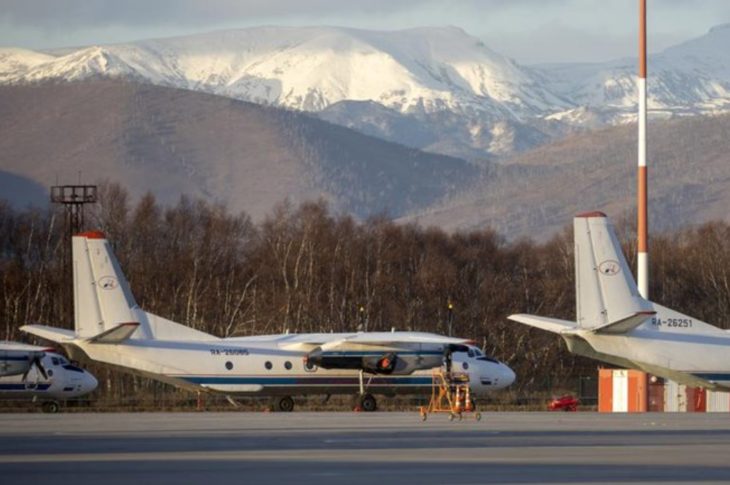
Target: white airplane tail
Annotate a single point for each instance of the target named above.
(103, 300)
(607, 298)
(104, 308)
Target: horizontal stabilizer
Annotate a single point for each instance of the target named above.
(49, 333)
(115, 335)
(625, 324)
(554, 325)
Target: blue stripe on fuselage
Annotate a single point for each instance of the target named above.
(306, 380)
(22, 387)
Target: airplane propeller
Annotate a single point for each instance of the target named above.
(36, 361)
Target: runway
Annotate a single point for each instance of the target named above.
(351, 448)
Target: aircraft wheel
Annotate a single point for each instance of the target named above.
(284, 404)
(368, 403)
(478, 416)
(51, 407)
(451, 416)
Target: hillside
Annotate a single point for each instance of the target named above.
(536, 193)
(172, 142)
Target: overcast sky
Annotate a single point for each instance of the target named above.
(527, 30)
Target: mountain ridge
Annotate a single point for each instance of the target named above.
(476, 103)
(175, 142)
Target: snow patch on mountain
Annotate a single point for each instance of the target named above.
(425, 69)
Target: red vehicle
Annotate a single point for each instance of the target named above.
(564, 403)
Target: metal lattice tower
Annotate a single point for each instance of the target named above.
(73, 198)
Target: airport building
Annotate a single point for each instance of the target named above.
(633, 391)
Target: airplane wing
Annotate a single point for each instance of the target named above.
(391, 340)
(379, 352)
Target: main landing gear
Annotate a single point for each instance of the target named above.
(283, 404)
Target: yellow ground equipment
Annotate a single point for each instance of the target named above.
(450, 393)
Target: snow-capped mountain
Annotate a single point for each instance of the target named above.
(425, 69)
(686, 79)
(437, 89)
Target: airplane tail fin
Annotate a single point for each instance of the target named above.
(607, 299)
(103, 300)
(105, 310)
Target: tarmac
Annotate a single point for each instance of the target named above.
(363, 448)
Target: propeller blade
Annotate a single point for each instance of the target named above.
(39, 365)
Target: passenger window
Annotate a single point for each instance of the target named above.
(268, 365)
(465, 365)
(229, 365)
(287, 364)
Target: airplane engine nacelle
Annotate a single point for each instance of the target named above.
(384, 364)
(12, 368)
(387, 363)
(13, 363)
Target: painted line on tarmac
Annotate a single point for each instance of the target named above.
(706, 455)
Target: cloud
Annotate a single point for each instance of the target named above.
(524, 29)
(82, 13)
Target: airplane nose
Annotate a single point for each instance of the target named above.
(90, 383)
(507, 376)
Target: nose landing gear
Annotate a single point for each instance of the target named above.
(51, 407)
(368, 403)
(283, 404)
(365, 401)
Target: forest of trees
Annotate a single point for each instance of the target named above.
(305, 269)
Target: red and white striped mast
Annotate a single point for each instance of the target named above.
(642, 273)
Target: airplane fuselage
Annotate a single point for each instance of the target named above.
(261, 366)
(693, 358)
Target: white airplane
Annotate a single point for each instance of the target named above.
(39, 373)
(111, 328)
(615, 324)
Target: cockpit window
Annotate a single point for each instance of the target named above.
(73, 368)
(471, 352)
(488, 359)
(55, 361)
